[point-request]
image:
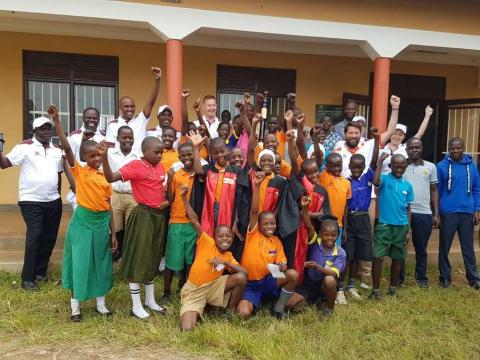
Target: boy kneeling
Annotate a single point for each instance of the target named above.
(326, 261)
(206, 283)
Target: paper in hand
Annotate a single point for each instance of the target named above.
(275, 271)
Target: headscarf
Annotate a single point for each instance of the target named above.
(263, 153)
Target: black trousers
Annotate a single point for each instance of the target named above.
(42, 220)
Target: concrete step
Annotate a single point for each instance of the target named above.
(12, 260)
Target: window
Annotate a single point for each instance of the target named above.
(72, 82)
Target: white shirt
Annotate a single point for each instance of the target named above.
(157, 132)
(179, 165)
(39, 168)
(212, 128)
(139, 126)
(402, 150)
(75, 140)
(311, 150)
(365, 148)
(116, 159)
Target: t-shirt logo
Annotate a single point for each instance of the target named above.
(404, 192)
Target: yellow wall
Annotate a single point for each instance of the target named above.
(320, 79)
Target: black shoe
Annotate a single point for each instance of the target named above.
(162, 310)
(76, 318)
(445, 284)
(476, 285)
(327, 313)
(166, 299)
(41, 278)
(30, 285)
(392, 292)
(279, 315)
(374, 295)
(422, 284)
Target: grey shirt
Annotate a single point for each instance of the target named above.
(340, 128)
(421, 177)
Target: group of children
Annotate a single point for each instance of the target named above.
(237, 222)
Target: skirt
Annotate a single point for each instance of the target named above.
(87, 256)
(143, 244)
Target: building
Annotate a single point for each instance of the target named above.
(90, 52)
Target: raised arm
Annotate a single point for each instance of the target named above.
(68, 174)
(395, 104)
(252, 140)
(107, 170)
(378, 170)
(257, 180)
(52, 110)
(258, 102)
(316, 146)
(293, 151)
(424, 124)
(243, 115)
(305, 203)
(157, 75)
(288, 120)
(302, 150)
(376, 138)
(198, 112)
(185, 95)
(188, 209)
(197, 140)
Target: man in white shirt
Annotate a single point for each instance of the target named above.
(91, 120)
(165, 118)
(137, 123)
(122, 200)
(39, 198)
(210, 115)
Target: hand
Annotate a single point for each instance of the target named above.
(290, 135)
(258, 178)
(185, 93)
(196, 105)
(317, 128)
(259, 98)
(436, 222)
(256, 119)
(216, 261)
(196, 138)
(383, 157)
(374, 131)
(184, 190)
(288, 116)
(170, 174)
(476, 219)
(164, 205)
(102, 148)
(305, 201)
(428, 111)
(395, 102)
(311, 265)
(237, 232)
(114, 242)
(247, 97)
(291, 96)
(157, 72)
(240, 106)
(409, 236)
(300, 120)
(282, 267)
(53, 112)
(87, 134)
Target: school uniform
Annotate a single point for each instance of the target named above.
(75, 141)
(206, 283)
(169, 157)
(39, 202)
(157, 132)
(138, 125)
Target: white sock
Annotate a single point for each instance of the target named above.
(150, 297)
(101, 308)
(137, 307)
(75, 305)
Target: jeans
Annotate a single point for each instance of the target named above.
(421, 225)
(463, 224)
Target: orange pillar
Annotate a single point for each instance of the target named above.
(175, 80)
(381, 80)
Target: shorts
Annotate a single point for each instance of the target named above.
(181, 240)
(258, 290)
(311, 290)
(195, 298)
(122, 206)
(359, 237)
(390, 241)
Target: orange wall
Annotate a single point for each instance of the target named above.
(320, 79)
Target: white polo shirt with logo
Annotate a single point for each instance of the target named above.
(138, 125)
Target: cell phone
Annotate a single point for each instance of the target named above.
(55, 140)
(1, 141)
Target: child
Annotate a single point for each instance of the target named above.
(224, 132)
(275, 128)
(144, 241)
(206, 283)
(235, 157)
(326, 261)
(395, 195)
(181, 233)
(359, 236)
(87, 255)
(170, 154)
(262, 248)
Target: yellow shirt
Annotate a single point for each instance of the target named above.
(92, 189)
(339, 191)
(178, 214)
(169, 157)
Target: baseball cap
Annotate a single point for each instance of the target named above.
(359, 118)
(401, 127)
(163, 108)
(41, 121)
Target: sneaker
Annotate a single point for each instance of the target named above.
(423, 284)
(392, 292)
(280, 315)
(445, 284)
(354, 293)
(476, 285)
(364, 286)
(375, 295)
(341, 299)
(166, 299)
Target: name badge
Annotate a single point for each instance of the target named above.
(228, 181)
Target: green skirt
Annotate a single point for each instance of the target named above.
(143, 244)
(87, 256)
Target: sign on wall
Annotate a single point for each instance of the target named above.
(335, 111)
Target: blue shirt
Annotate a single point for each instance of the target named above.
(334, 259)
(361, 192)
(394, 197)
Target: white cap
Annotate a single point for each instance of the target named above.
(41, 121)
(401, 127)
(163, 108)
(359, 118)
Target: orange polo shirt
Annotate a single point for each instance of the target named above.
(282, 140)
(259, 251)
(178, 214)
(169, 157)
(339, 191)
(93, 190)
(202, 272)
(203, 151)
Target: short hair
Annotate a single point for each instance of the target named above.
(412, 139)
(397, 157)
(217, 142)
(326, 116)
(306, 163)
(169, 128)
(222, 226)
(149, 141)
(209, 97)
(124, 127)
(273, 116)
(456, 139)
(125, 98)
(354, 124)
(328, 220)
(184, 146)
(265, 213)
(86, 145)
(358, 157)
(91, 108)
(223, 123)
(235, 118)
(333, 155)
(350, 102)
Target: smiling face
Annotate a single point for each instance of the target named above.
(414, 149)
(92, 156)
(223, 238)
(349, 111)
(127, 108)
(235, 157)
(218, 152)
(91, 119)
(169, 135)
(223, 130)
(357, 166)
(270, 142)
(43, 133)
(352, 136)
(210, 107)
(185, 153)
(267, 163)
(334, 164)
(398, 165)
(326, 123)
(267, 224)
(329, 234)
(397, 137)
(165, 118)
(311, 172)
(456, 147)
(273, 124)
(125, 139)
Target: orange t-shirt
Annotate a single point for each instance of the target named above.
(282, 140)
(218, 190)
(92, 189)
(169, 157)
(202, 272)
(260, 251)
(203, 151)
(339, 191)
(178, 214)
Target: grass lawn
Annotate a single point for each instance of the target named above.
(419, 324)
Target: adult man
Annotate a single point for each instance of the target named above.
(459, 191)
(210, 115)
(423, 177)
(137, 123)
(349, 111)
(91, 119)
(39, 198)
(165, 118)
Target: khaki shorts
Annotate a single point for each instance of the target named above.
(195, 298)
(122, 207)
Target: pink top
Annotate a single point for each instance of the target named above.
(147, 181)
(242, 144)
